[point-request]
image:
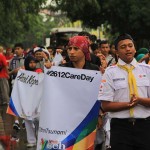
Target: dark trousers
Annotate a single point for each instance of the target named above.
(4, 91)
(128, 135)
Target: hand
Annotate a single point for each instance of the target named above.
(134, 101)
(63, 61)
(15, 71)
(48, 65)
(100, 122)
(102, 69)
(59, 50)
(44, 55)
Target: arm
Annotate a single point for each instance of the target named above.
(117, 106)
(7, 72)
(142, 101)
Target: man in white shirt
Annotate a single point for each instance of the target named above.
(125, 94)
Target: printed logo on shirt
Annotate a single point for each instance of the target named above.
(119, 79)
(103, 80)
(142, 76)
(100, 90)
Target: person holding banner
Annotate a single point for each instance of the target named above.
(79, 54)
(125, 94)
(69, 112)
(30, 65)
(42, 57)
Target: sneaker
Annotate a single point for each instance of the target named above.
(31, 145)
(23, 125)
(14, 138)
(4, 103)
(16, 126)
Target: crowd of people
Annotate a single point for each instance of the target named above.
(124, 93)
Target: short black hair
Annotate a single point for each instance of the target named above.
(93, 38)
(84, 33)
(122, 37)
(103, 42)
(19, 45)
(94, 46)
(50, 47)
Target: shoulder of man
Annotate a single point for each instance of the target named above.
(144, 65)
(111, 67)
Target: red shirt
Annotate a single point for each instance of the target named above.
(8, 58)
(3, 65)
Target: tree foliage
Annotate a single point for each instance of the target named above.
(130, 16)
(15, 18)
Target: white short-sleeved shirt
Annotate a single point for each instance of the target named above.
(114, 88)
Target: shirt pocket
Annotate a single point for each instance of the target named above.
(120, 85)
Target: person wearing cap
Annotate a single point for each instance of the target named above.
(140, 57)
(142, 51)
(79, 54)
(125, 94)
(143, 58)
(42, 56)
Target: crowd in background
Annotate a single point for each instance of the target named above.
(102, 53)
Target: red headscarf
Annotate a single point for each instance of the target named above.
(82, 43)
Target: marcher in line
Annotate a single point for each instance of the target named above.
(125, 94)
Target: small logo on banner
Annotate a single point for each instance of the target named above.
(52, 145)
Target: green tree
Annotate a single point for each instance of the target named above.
(88, 11)
(15, 18)
(119, 16)
(129, 16)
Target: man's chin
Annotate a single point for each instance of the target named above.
(73, 59)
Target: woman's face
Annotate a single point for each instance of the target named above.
(38, 55)
(32, 64)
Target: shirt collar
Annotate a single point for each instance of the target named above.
(133, 63)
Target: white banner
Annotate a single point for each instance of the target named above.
(69, 109)
(57, 59)
(26, 94)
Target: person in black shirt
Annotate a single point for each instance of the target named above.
(79, 54)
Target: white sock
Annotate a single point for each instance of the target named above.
(17, 121)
